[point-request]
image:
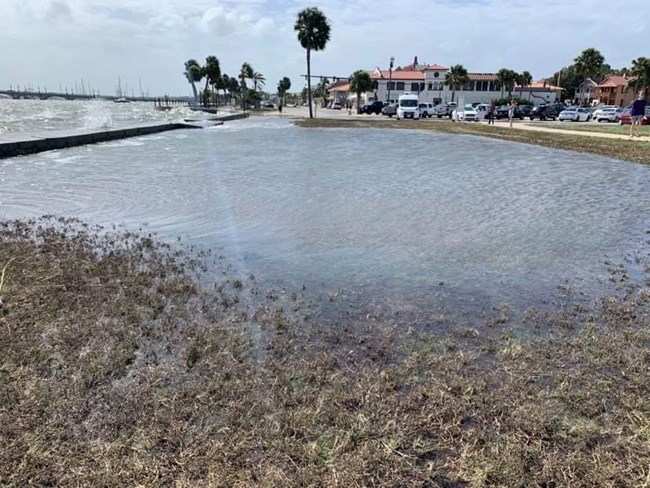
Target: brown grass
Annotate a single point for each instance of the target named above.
(636, 151)
(118, 370)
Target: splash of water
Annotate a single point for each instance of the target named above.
(97, 117)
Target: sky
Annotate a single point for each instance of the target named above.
(52, 43)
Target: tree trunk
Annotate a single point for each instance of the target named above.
(453, 92)
(311, 114)
(196, 95)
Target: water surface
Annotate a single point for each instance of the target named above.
(375, 212)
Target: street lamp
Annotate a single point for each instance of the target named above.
(390, 76)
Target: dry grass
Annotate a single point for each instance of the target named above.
(629, 150)
(117, 370)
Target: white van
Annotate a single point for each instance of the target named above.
(407, 106)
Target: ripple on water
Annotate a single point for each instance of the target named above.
(394, 212)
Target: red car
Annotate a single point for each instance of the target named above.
(627, 120)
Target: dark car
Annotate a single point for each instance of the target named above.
(371, 108)
(502, 113)
(390, 109)
(544, 112)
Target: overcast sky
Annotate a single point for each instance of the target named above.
(52, 42)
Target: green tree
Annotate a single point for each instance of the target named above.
(284, 85)
(524, 79)
(507, 79)
(193, 74)
(313, 31)
(321, 89)
(360, 82)
(258, 80)
(246, 72)
(456, 77)
(212, 71)
(589, 63)
(640, 70)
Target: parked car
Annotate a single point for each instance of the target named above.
(481, 110)
(544, 112)
(575, 114)
(467, 113)
(502, 113)
(526, 109)
(371, 108)
(426, 110)
(609, 115)
(599, 109)
(445, 110)
(390, 109)
(626, 119)
(336, 106)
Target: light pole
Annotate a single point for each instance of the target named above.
(390, 76)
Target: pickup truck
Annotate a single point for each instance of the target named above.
(445, 110)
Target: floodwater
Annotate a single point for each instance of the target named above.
(44, 115)
(374, 214)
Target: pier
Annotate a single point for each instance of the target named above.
(21, 143)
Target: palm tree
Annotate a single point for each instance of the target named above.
(258, 80)
(641, 71)
(193, 74)
(589, 63)
(456, 77)
(507, 79)
(283, 87)
(245, 72)
(313, 31)
(523, 80)
(212, 71)
(360, 82)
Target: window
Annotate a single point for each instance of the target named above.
(400, 85)
(430, 86)
(391, 85)
(469, 86)
(436, 74)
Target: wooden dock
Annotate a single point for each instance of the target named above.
(20, 143)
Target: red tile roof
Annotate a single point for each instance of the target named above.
(338, 84)
(340, 87)
(437, 67)
(613, 81)
(397, 75)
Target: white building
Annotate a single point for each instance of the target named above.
(429, 82)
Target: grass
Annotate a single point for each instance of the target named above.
(629, 150)
(117, 369)
(596, 127)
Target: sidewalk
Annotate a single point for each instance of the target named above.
(602, 135)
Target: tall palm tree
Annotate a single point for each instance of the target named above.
(589, 63)
(258, 80)
(313, 31)
(193, 74)
(246, 72)
(641, 71)
(360, 82)
(456, 77)
(212, 71)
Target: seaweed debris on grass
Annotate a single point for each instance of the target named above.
(117, 369)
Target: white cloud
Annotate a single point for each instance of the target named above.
(47, 41)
